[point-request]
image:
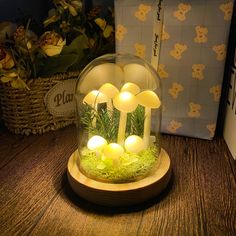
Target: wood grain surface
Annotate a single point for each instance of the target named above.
(35, 197)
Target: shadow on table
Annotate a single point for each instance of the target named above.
(83, 204)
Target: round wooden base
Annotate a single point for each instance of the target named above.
(110, 194)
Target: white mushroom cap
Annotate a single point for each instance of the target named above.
(95, 97)
(148, 99)
(131, 87)
(134, 144)
(140, 75)
(100, 75)
(125, 102)
(109, 90)
(113, 150)
(96, 143)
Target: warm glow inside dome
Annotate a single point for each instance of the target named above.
(118, 115)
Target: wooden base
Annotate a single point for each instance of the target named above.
(124, 194)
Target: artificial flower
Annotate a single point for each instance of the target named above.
(51, 43)
(6, 60)
(72, 6)
(107, 29)
(7, 77)
(6, 29)
(14, 79)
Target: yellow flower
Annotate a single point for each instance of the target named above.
(6, 60)
(72, 10)
(9, 77)
(107, 29)
(14, 79)
(52, 43)
(72, 6)
(101, 23)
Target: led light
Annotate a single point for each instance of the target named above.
(96, 143)
(134, 144)
(113, 151)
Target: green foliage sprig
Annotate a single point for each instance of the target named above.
(107, 124)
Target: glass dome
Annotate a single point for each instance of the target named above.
(118, 118)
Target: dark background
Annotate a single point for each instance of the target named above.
(15, 10)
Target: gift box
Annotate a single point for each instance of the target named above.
(230, 118)
(192, 57)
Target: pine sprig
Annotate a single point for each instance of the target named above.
(137, 121)
(107, 123)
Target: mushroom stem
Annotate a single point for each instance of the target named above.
(109, 107)
(122, 128)
(147, 127)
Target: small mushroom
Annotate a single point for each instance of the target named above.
(131, 87)
(113, 151)
(93, 98)
(124, 102)
(96, 143)
(110, 91)
(149, 100)
(134, 144)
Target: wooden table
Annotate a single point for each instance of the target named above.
(35, 198)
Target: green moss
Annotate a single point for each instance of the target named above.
(130, 166)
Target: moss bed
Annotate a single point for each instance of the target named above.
(130, 167)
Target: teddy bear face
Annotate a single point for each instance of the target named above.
(220, 51)
(175, 90)
(180, 14)
(120, 32)
(165, 35)
(161, 71)
(173, 126)
(142, 12)
(197, 71)
(227, 9)
(211, 128)
(178, 50)
(140, 49)
(216, 91)
(194, 110)
(201, 34)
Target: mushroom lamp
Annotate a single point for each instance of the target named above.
(119, 160)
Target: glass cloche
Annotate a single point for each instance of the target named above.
(118, 118)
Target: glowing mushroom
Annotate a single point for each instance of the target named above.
(96, 143)
(124, 102)
(149, 100)
(131, 87)
(93, 98)
(113, 151)
(134, 144)
(110, 91)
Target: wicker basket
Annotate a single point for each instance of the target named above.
(24, 111)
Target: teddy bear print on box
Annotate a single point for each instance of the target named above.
(134, 27)
(192, 56)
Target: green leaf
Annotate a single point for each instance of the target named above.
(76, 46)
(58, 64)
